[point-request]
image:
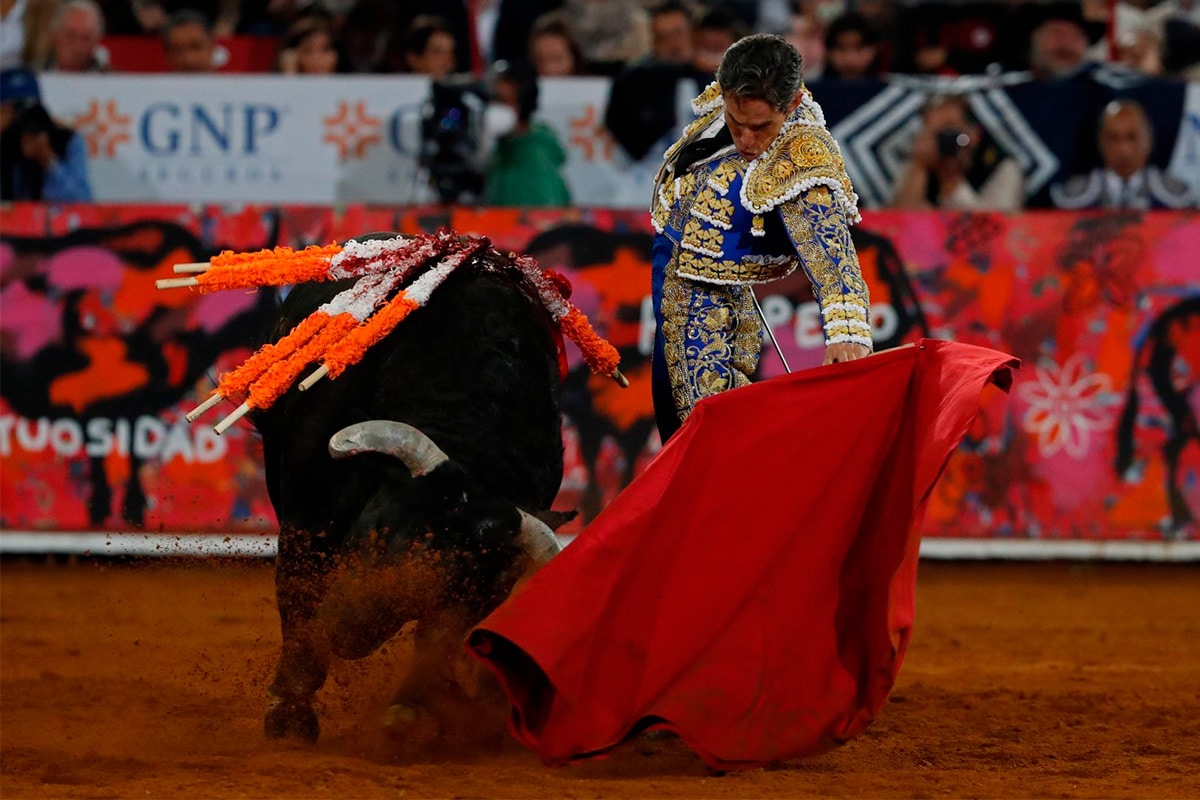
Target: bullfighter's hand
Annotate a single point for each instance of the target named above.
(845, 351)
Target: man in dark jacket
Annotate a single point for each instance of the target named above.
(39, 158)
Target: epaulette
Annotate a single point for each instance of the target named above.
(803, 156)
(1079, 191)
(1168, 190)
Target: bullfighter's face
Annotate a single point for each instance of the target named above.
(754, 123)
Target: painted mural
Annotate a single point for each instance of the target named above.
(1098, 439)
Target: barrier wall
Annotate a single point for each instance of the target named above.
(1097, 441)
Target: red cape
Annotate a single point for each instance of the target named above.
(753, 589)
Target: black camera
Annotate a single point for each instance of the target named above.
(452, 139)
(950, 141)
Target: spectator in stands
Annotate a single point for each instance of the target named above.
(1141, 49)
(188, 43)
(427, 48)
(807, 24)
(23, 24)
(715, 32)
(220, 16)
(485, 31)
(852, 48)
(526, 163)
(671, 33)
(1180, 26)
(370, 33)
(643, 101)
(553, 49)
(1126, 179)
(612, 33)
(1159, 39)
(40, 159)
(1058, 43)
(75, 34)
(950, 38)
(307, 48)
(955, 165)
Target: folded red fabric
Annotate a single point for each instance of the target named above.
(753, 589)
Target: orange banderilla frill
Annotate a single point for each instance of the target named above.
(339, 333)
(278, 267)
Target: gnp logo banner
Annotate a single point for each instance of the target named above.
(234, 139)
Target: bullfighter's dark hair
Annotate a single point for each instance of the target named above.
(762, 67)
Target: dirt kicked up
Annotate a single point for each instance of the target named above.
(1024, 680)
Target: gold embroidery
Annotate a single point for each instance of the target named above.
(801, 155)
(818, 228)
(813, 151)
(711, 338)
(750, 269)
(725, 174)
(660, 214)
(685, 186)
(710, 95)
(700, 238)
(713, 208)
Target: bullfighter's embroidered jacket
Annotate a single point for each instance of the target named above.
(724, 223)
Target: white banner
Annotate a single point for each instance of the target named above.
(1185, 159)
(283, 139)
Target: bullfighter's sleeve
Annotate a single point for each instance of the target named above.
(820, 232)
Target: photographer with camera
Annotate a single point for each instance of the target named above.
(955, 165)
(39, 158)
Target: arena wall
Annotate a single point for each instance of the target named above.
(1089, 456)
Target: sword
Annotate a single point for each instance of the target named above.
(770, 332)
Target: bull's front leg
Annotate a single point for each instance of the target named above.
(301, 580)
(445, 686)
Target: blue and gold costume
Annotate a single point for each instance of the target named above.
(724, 224)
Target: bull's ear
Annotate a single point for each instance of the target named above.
(555, 519)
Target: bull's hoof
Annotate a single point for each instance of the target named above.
(400, 714)
(412, 727)
(291, 721)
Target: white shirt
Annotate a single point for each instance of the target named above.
(1004, 190)
(1126, 192)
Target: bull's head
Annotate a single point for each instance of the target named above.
(423, 458)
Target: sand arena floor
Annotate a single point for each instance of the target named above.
(148, 680)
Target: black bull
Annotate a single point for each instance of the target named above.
(380, 524)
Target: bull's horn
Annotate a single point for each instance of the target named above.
(415, 449)
(537, 540)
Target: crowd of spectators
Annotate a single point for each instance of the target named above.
(842, 38)
(650, 49)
